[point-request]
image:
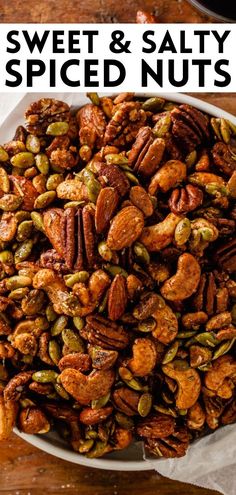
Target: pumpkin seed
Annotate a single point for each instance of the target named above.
(54, 351)
(116, 159)
(223, 348)
(225, 130)
(32, 143)
(147, 325)
(73, 204)
(141, 253)
(94, 98)
(145, 404)
(24, 230)
(132, 178)
(78, 322)
(154, 104)
(10, 202)
(171, 353)
(206, 233)
(191, 159)
(103, 304)
(53, 181)
(61, 391)
(18, 281)
(213, 189)
(125, 373)
(91, 434)
(4, 157)
(57, 128)
(42, 163)
(44, 199)
(59, 325)
(115, 270)
(162, 126)
(98, 450)
(72, 340)
(183, 412)
(124, 421)
(136, 385)
(37, 220)
(104, 251)
(4, 180)
(22, 215)
(165, 410)
(23, 251)
(6, 257)
(50, 313)
(75, 278)
(85, 446)
(207, 339)
(182, 231)
(18, 294)
(98, 403)
(24, 160)
(186, 334)
(45, 376)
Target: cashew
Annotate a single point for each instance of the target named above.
(160, 235)
(8, 413)
(86, 388)
(196, 417)
(189, 383)
(185, 282)
(166, 327)
(168, 176)
(144, 357)
(217, 378)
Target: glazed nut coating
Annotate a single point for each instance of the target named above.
(117, 274)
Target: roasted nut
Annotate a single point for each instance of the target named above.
(106, 205)
(160, 235)
(144, 357)
(185, 282)
(83, 388)
(33, 421)
(168, 176)
(126, 228)
(91, 416)
(139, 197)
(185, 199)
(126, 400)
(189, 383)
(8, 414)
(216, 378)
(117, 298)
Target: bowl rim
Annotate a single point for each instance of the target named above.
(41, 442)
(207, 11)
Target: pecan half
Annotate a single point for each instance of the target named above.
(124, 124)
(173, 446)
(106, 334)
(186, 199)
(226, 256)
(146, 153)
(42, 112)
(156, 426)
(114, 177)
(92, 124)
(223, 159)
(190, 127)
(126, 400)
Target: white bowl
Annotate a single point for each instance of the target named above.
(130, 459)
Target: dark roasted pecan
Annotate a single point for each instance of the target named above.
(223, 158)
(126, 400)
(16, 385)
(229, 415)
(42, 112)
(190, 127)
(106, 334)
(186, 199)
(146, 153)
(210, 297)
(113, 176)
(125, 123)
(173, 446)
(156, 426)
(226, 256)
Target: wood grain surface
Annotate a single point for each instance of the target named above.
(26, 470)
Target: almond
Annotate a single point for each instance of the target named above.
(126, 228)
(23, 187)
(105, 207)
(117, 298)
(141, 199)
(52, 221)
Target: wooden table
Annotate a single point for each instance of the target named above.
(24, 469)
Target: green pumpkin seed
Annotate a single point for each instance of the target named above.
(214, 189)
(132, 178)
(24, 230)
(18, 281)
(72, 340)
(183, 412)
(182, 231)
(10, 202)
(186, 334)
(171, 353)
(147, 325)
(145, 404)
(154, 104)
(98, 403)
(215, 124)
(225, 130)
(37, 220)
(93, 188)
(136, 385)
(59, 325)
(24, 160)
(141, 253)
(191, 159)
(115, 270)
(4, 157)
(124, 421)
(207, 339)
(75, 278)
(206, 233)
(22, 215)
(102, 306)
(18, 294)
(6, 257)
(44, 200)
(85, 446)
(54, 351)
(78, 322)
(104, 251)
(23, 251)
(42, 163)
(162, 126)
(32, 143)
(4, 181)
(166, 410)
(125, 373)
(223, 348)
(51, 315)
(85, 153)
(91, 434)
(53, 181)
(57, 128)
(45, 376)
(94, 98)
(73, 204)
(116, 159)
(98, 450)
(61, 391)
